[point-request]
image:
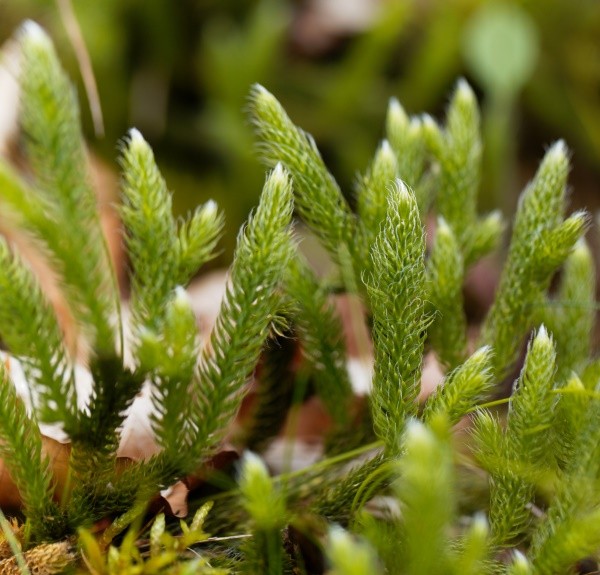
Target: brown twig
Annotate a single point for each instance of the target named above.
(69, 19)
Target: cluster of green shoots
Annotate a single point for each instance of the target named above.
(516, 492)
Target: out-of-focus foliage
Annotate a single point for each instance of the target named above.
(184, 68)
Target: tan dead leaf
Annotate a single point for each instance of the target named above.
(176, 499)
(206, 294)
(432, 376)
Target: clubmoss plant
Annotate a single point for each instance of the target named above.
(446, 271)
(568, 316)
(347, 557)
(393, 502)
(165, 340)
(525, 443)
(457, 149)
(265, 504)
(541, 240)
(398, 279)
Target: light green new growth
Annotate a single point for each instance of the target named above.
(162, 255)
(518, 458)
(250, 305)
(396, 289)
(577, 536)
(590, 376)
(473, 550)
(519, 565)
(31, 332)
(347, 556)
(265, 505)
(426, 494)
(403, 156)
(532, 403)
(260, 497)
(321, 333)
(372, 196)
(457, 149)
(485, 236)
(571, 414)
(571, 529)
(55, 149)
(197, 239)
(540, 243)
(21, 452)
(445, 272)
(406, 139)
(569, 316)
(150, 234)
(174, 360)
(318, 198)
(22, 207)
(167, 552)
(463, 388)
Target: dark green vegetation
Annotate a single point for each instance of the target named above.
(520, 496)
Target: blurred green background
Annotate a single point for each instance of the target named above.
(180, 71)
